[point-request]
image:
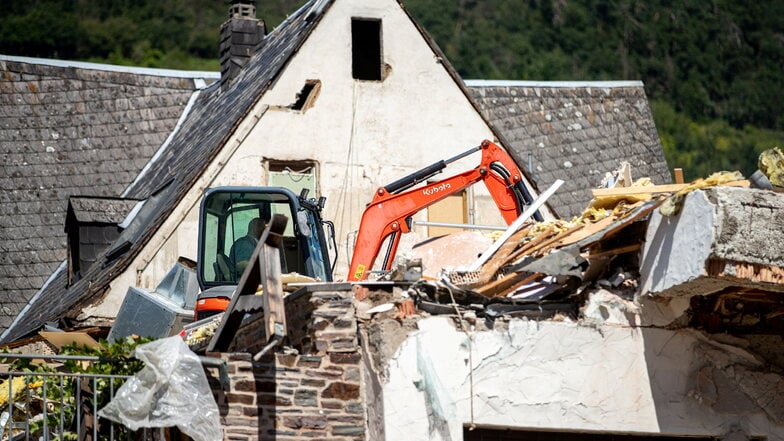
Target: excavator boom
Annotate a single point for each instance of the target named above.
(388, 215)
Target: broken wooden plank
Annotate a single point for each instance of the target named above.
(620, 223)
(616, 251)
(500, 257)
(587, 231)
(678, 172)
(546, 244)
(504, 284)
(253, 276)
(652, 189)
(516, 225)
(541, 237)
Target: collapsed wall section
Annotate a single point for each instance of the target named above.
(718, 264)
(723, 236)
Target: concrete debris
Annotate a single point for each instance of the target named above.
(607, 307)
(621, 252)
(449, 252)
(384, 307)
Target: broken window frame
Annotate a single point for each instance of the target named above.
(303, 167)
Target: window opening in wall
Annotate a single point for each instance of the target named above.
(366, 53)
(307, 96)
(294, 175)
(452, 210)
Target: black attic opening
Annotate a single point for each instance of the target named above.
(366, 49)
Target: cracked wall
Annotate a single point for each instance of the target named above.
(606, 377)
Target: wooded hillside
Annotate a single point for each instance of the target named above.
(713, 70)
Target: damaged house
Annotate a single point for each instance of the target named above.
(292, 116)
(72, 129)
(656, 317)
(653, 315)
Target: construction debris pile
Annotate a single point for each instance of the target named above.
(548, 269)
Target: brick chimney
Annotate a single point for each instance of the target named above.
(240, 38)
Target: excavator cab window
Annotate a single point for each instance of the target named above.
(233, 218)
(231, 223)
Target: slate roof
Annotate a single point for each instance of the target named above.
(575, 132)
(175, 168)
(100, 210)
(69, 128)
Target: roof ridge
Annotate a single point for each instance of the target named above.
(536, 83)
(86, 65)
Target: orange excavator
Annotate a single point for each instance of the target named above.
(389, 214)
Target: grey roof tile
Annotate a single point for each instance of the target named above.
(61, 134)
(201, 136)
(592, 127)
(100, 210)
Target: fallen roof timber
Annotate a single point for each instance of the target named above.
(653, 189)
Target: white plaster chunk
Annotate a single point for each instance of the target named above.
(657, 311)
(676, 247)
(723, 224)
(568, 164)
(604, 306)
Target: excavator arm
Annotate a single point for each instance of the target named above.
(389, 214)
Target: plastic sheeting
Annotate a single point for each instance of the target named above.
(171, 390)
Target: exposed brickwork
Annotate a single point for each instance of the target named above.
(312, 391)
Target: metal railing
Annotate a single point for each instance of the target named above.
(61, 405)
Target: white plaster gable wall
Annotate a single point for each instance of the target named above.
(363, 134)
(570, 377)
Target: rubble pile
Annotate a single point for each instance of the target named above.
(553, 269)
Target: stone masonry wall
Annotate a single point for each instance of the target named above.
(311, 391)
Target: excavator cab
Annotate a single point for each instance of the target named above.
(230, 221)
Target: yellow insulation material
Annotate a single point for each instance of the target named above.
(610, 202)
(558, 225)
(17, 384)
(672, 205)
(771, 163)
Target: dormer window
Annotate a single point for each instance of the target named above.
(366, 55)
(92, 225)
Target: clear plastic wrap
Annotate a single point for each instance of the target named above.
(171, 390)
